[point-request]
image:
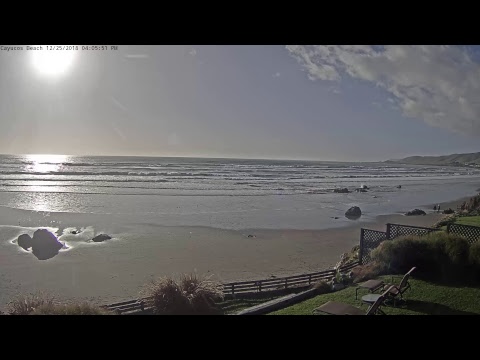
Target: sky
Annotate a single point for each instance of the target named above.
(314, 102)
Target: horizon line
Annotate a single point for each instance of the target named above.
(200, 157)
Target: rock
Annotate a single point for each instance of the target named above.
(341, 191)
(364, 187)
(448, 211)
(361, 190)
(415, 212)
(25, 241)
(101, 237)
(45, 245)
(399, 186)
(75, 232)
(353, 212)
(336, 287)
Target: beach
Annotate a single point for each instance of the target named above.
(232, 219)
(118, 269)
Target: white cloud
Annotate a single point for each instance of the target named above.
(438, 84)
(193, 52)
(276, 75)
(377, 104)
(336, 91)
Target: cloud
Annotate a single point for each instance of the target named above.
(377, 104)
(276, 75)
(438, 84)
(336, 91)
(136, 56)
(193, 52)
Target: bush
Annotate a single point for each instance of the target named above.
(202, 293)
(437, 255)
(368, 271)
(25, 305)
(474, 255)
(322, 287)
(70, 309)
(192, 295)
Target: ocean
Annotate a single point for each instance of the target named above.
(224, 193)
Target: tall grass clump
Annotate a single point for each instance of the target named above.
(70, 309)
(27, 304)
(191, 295)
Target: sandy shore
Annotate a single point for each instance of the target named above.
(118, 269)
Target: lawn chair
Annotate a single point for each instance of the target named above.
(398, 290)
(338, 308)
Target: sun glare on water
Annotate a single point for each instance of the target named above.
(45, 163)
(52, 62)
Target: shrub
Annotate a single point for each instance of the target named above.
(25, 305)
(368, 271)
(70, 309)
(322, 287)
(437, 255)
(474, 255)
(168, 297)
(202, 293)
(192, 295)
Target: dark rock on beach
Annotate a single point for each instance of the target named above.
(25, 241)
(45, 245)
(353, 213)
(448, 211)
(341, 191)
(415, 212)
(101, 237)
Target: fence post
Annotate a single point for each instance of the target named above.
(286, 284)
(360, 251)
(309, 279)
(448, 228)
(388, 231)
(233, 289)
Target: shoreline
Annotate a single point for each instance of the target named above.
(118, 269)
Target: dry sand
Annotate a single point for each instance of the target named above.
(117, 269)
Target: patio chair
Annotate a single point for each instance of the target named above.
(397, 291)
(338, 308)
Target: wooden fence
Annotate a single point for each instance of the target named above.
(244, 288)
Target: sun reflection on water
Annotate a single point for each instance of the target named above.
(43, 198)
(43, 163)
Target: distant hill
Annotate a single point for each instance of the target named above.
(472, 159)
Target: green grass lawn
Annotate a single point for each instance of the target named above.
(424, 298)
(468, 220)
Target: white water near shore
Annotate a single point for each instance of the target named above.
(197, 222)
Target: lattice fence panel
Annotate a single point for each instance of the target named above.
(369, 240)
(471, 233)
(396, 230)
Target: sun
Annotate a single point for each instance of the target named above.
(52, 62)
